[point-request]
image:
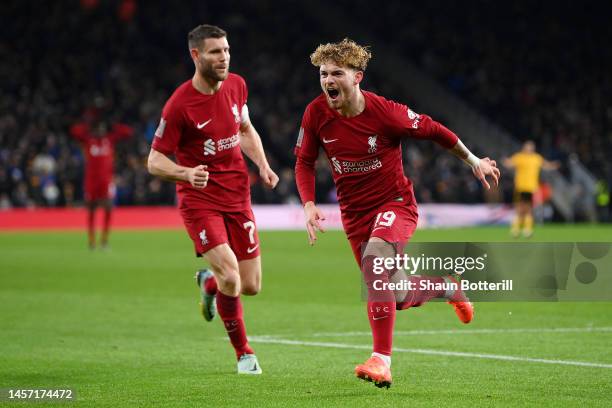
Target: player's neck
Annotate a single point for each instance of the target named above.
(205, 85)
(353, 106)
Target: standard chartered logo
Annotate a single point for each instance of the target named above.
(209, 147)
(363, 166)
(229, 142)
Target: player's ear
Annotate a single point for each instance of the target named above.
(195, 53)
(358, 77)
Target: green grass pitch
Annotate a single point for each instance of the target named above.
(122, 328)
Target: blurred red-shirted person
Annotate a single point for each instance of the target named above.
(98, 142)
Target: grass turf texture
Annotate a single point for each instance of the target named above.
(122, 328)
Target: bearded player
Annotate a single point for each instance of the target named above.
(205, 124)
(98, 143)
(361, 134)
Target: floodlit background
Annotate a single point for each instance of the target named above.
(121, 326)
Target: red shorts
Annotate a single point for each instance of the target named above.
(209, 228)
(394, 222)
(99, 191)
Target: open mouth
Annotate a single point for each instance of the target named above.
(333, 94)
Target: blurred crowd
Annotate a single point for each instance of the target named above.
(535, 71)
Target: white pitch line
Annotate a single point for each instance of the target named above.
(272, 340)
(472, 331)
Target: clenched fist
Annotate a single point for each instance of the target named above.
(198, 176)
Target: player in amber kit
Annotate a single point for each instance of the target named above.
(527, 164)
(99, 148)
(361, 133)
(205, 124)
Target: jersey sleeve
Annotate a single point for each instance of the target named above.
(168, 133)
(306, 151)
(406, 123)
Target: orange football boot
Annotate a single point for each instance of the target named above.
(463, 307)
(374, 370)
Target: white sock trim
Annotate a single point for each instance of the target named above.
(386, 359)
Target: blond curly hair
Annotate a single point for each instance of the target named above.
(346, 53)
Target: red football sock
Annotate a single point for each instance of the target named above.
(381, 307)
(210, 286)
(106, 226)
(230, 310)
(382, 319)
(91, 227)
(418, 296)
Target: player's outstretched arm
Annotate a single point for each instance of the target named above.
(421, 126)
(508, 163)
(482, 168)
(551, 165)
(251, 145)
(80, 132)
(120, 131)
(161, 166)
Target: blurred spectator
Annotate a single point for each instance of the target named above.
(98, 142)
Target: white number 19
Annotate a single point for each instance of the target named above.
(387, 219)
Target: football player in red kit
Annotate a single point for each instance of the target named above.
(361, 134)
(99, 147)
(205, 124)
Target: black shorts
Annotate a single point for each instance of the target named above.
(524, 197)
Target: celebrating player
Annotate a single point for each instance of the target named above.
(361, 133)
(205, 124)
(527, 165)
(99, 147)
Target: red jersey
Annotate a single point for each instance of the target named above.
(99, 153)
(364, 151)
(205, 129)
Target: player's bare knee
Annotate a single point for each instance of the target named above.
(373, 262)
(251, 288)
(227, 275)
(229, 282)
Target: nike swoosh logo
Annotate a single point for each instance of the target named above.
(251, 250)
(329, 141)
(379, 318)
(255, 368)
(201, 125)
(377, 228)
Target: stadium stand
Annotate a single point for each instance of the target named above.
(120, 60)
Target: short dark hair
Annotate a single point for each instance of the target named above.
(196, 37)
